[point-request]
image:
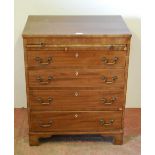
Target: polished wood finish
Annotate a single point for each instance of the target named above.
(99, 78)
(75, 25)
(75, 121)
(76, 74)
(69, 100)
(76, 59)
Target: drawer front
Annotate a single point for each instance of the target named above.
(86, 42)
(99, 59)
(75, 121)
(75, 100)
(103, 78)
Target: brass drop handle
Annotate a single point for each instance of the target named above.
(105, 101)
(40, 61)
(41, 101)
(112, 62)
(103, 123)
(49, 124)
(114, 78)
(41, 81)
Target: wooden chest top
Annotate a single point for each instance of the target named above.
(75, 26)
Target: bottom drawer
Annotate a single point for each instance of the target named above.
(75, 121)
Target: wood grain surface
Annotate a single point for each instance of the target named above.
(75, 99)
(75, 121)
(75, 25)
(76, 71)
(76, 59)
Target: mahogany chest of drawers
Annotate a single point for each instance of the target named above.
(76, 75)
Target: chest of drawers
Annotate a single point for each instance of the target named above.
(76, 75)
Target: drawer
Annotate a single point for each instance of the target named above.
(64, 100)
(52, 78)
(75, 121)
(49, 43)
(99, 59)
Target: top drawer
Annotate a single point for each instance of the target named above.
(78, 43)
(90, 59)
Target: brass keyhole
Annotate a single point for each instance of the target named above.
(76, 55)
(76, 93)
(66, 49)
(76, 73)
(76, 115)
